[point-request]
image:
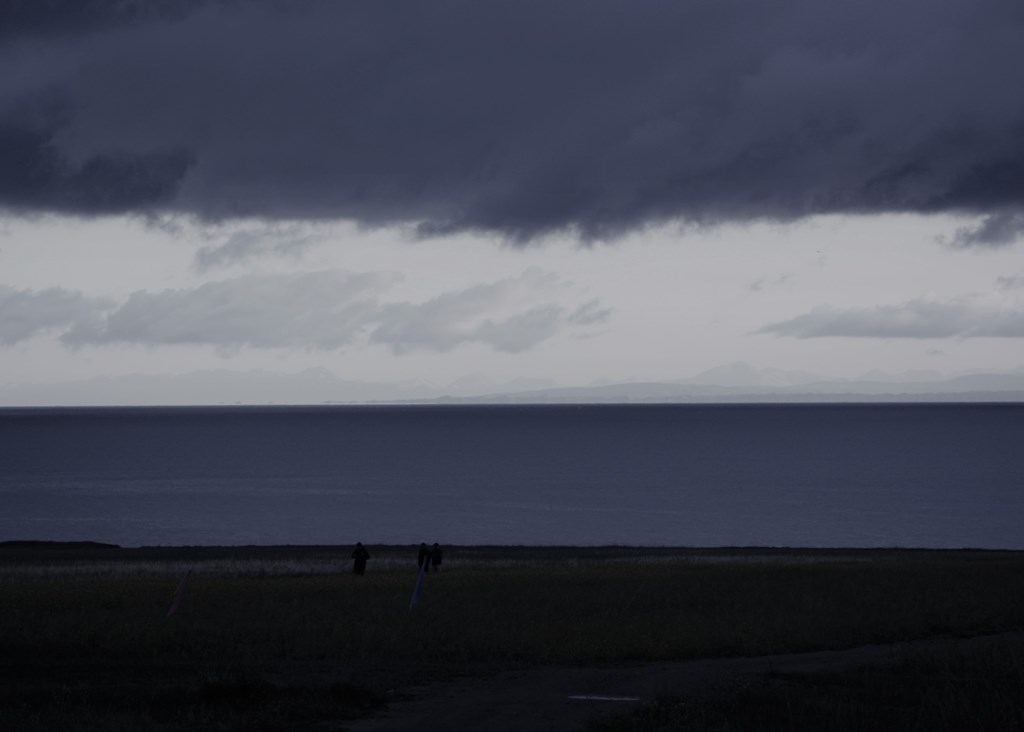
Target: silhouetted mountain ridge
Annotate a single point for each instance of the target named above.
(728, 384)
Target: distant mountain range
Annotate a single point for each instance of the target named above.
(975, 388)
(732, 383)
(223, 386)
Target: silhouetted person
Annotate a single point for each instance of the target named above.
(359, 556)
(435, 557)
(423, 559)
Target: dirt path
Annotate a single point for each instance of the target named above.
(567, 698)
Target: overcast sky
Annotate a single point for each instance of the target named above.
(566, 190)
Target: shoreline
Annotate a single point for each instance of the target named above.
(85, 545)
(21, 557)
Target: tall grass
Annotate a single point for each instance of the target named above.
(563, 613)
(297, 623)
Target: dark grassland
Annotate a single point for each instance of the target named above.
(286, 637)
(980, 688)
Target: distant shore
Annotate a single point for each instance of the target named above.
(480, 550)
(327, 558)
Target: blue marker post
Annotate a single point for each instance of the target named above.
(419, 586)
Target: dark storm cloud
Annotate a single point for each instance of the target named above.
(514, 116)
(997, 230)
(28, 18)
(914, 319)
(34, 175)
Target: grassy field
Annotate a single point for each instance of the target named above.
(947, 689)
(279, 637)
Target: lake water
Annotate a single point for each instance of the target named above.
(936, 475)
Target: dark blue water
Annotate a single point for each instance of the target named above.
(816, 475)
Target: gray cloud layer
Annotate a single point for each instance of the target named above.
(316, 310)
(514, 116)
(914, 319)
(27, 313)
(242, 246)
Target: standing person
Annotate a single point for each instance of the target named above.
(423, 559)
(435, 557)
(359, 556)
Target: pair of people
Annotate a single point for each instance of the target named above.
(429, 558)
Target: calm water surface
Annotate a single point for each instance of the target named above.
(801, 475)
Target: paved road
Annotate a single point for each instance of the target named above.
(543, 699)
